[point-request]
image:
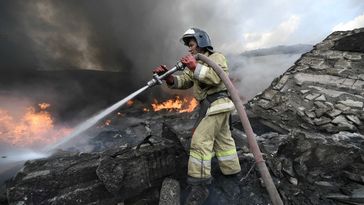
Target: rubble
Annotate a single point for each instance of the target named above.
(81, 178)
(325, 96)
(308, 124)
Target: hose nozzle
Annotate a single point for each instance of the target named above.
(157, 79)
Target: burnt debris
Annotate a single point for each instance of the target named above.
(309, 125)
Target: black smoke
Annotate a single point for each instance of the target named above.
(47, 46)
(89, 34)
(125, 39)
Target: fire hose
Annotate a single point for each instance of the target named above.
(253, 145)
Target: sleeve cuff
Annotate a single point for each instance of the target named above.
(176, 82)
(200, 71)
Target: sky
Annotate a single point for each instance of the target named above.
(110, 34)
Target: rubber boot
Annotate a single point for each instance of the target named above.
(230, 185)
(199, 191)
(198, 195)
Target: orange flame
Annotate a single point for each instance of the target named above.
(44, 106)
(186, 104)
(32, 129)
(130, 103)
(107, 122)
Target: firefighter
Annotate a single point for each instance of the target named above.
(211, 135)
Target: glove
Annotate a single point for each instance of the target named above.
(189, 61)
(160, 70)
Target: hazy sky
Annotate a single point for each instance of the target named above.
(110, 34)
(251, 24)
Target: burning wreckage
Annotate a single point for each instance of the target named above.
(309, 124)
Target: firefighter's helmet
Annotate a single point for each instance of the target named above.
(202, 38)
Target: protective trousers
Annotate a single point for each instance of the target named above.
(213, 137)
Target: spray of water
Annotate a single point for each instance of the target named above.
(93, 120)
(12, 159)
(21, 155)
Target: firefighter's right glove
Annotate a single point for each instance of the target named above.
(189, 61)
(160, 70)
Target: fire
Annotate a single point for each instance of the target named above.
(187, 104)
(107, 122)
(31, 129)
(130, 103)
(44, 106)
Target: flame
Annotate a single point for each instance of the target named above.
(44, 106)
(32, 129)
(130, 103)
(187, 104)
(107, 122)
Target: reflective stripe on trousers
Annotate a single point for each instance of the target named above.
(213, 135)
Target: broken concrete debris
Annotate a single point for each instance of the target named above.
(309, 125)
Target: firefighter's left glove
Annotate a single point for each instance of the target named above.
(190, 62)
(160, 70)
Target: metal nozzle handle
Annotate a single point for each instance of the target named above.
(157, 79)
(177, 67)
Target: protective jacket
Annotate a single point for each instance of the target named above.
(212, 135)
(206, 82)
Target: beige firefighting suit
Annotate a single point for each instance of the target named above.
(212, 135)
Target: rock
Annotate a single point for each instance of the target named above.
(353, 56)
(170, 192)
(281, 82)
(342, 64)
(312, 96)
(342, 123)
(325, 45)
(264, 103)
(330, 128)
(321, 98)
(268, 95)
(333, 113)
(122, 172)
(109, 178)
(354, 177)
(46, 180)
(300, 111)
(352, 103)
(361, 76)
(321, 120)
(293, 181)
(357, 199)
(321, 108)
(325, 184)
(333, 77)
(351, 43)
(354, 119)
(310, 114)
(342, 107)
